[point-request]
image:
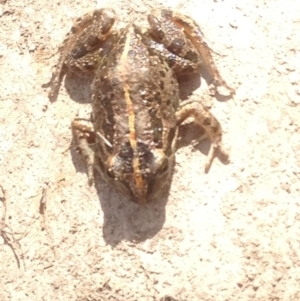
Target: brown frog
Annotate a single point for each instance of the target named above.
(136, 109)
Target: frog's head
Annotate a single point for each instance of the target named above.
(140, 174)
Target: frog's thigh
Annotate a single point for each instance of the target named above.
(194, 33)
(65, 50)
(83, 131)
(208, 122)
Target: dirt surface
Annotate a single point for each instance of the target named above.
(231, 234)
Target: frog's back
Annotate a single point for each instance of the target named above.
(134, 94)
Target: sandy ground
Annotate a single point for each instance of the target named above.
(231, 234)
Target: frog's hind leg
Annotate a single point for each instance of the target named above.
(80, 45)
(64, 50)
(171, 43)
(182, 36)
(193, 31)
(209, 123)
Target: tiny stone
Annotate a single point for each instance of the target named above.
(233, 23)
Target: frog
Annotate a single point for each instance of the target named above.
(131, 136)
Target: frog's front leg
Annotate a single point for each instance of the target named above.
(80, 48)
(183, 37)
(85, 139)
(208, 122)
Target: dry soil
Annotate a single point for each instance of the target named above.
(231, 234)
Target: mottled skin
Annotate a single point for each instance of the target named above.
(135, 98)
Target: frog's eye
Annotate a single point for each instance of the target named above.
(158, 162)
(113, 167)
(110, 173)
(164, 166)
